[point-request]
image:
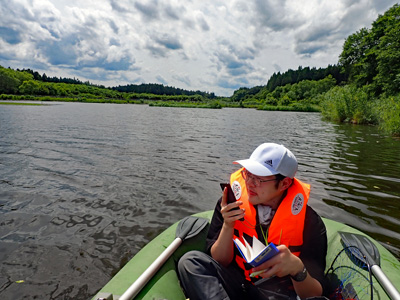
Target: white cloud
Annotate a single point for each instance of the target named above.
(216, 46)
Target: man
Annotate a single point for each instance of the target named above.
(273, 207)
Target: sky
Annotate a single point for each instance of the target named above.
(212, 46)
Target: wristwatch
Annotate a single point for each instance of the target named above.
(300, 276)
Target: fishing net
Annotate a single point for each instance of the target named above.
(350, 276)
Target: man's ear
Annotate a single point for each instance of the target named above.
(285, 183)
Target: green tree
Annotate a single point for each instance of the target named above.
(240, 94)
(10, 80)
(388, 58)
(285, 100)
(354, 51)
(371, 57)
(8, 84)
(33, 87)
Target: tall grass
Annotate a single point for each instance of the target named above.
(293, 107)
(212, 105)
(353, 105)
(389, 114)
(348, 104)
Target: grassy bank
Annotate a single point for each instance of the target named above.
(349, 104)
(339, 104)
(20, 103)
(294, 107)
(213, 105)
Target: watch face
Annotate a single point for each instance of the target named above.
(301, 275)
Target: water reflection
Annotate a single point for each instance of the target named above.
(84, 186)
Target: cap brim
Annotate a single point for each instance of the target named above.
(256, 168)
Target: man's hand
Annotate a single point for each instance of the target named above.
(282, 264)
(222, 250)
(228, 212)
(286, 263)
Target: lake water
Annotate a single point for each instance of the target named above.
(84, 186)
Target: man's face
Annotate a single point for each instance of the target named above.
(266, 192)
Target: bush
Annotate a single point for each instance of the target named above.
(389, 114)
(269, 100)
(215, 104)
(348, 104)
(285, 100)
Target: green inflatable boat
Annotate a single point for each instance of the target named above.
(357, 266)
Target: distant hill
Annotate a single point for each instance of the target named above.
(159, 89)
(45, 78)
(144, 88)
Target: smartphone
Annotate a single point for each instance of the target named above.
(231, 195)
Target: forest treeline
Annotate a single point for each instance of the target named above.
(363, 87)
(21, 84)
(307, 73)
(12, 82)
(144, 88)
(160, 89)
(37, 76)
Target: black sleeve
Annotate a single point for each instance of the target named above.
(315, 245)
(215, 227)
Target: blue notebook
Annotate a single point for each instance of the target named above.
(258, 253)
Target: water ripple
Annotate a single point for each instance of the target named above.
(84, 187)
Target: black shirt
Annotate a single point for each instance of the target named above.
(313, 251)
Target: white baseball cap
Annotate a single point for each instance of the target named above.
(270, 159)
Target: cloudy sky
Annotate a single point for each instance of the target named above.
(213, 46)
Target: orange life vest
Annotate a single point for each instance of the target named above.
(287, 224)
